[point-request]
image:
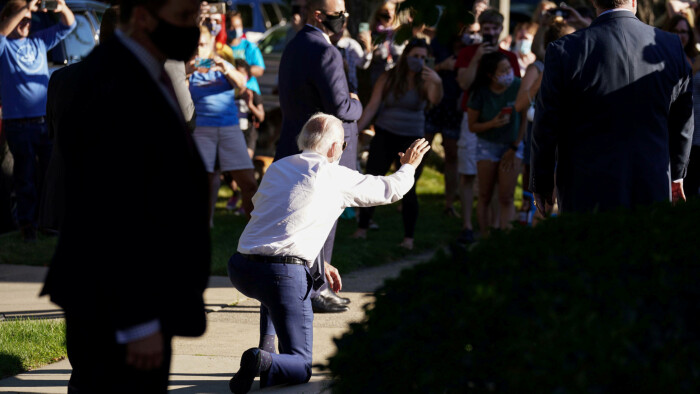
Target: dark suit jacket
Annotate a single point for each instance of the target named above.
(312, 79)
(615, 105)
(134, 245)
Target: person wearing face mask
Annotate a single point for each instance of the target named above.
(24, 77)
(522, 45)
(135, 278)
(218, 135)
(500, 132)
(468, 59)
(397, 105)
(387, 52)
(312, 79)
(244, 49)
(299, 199)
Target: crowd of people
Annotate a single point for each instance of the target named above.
(170, 99)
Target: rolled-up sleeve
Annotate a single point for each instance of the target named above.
(360, 190)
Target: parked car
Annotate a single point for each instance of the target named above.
(260, 15)
(78, 44)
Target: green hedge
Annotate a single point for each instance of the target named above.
(603, 303)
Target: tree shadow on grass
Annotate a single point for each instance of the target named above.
(10, 365)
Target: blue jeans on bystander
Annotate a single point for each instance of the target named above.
(30, 146)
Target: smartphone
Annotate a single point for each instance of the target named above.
(217, 8)
(506, 112)
(203, 63)
(488, 38)
(430, 62)
(560, 12)
(364, 26)
(50, 5)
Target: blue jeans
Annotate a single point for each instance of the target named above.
(30, 146)
(283, 290)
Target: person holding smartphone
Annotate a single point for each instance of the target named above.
(468, 59)
(399, 99)
(218, 135)
(500, 132)
(24, 81)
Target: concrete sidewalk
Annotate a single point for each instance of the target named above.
(204, 364)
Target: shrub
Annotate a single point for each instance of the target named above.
(598, 303)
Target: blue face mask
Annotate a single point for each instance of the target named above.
(414, 64)
(233, 34)
(506, 79)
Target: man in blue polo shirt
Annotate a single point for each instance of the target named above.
(24, 80)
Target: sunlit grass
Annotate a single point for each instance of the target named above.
(30, 344)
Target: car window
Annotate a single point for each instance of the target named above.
(271, 13)
(275, 41)
(246, 15)
(80, 41)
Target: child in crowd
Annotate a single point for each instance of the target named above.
(250, 114)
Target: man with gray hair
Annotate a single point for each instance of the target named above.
(298, 201)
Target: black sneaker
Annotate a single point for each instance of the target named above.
(250, 367)
(466, 236)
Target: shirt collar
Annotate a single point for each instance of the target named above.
(322, 32)
(152, 65)
(614, 10)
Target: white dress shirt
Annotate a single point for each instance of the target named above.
(300, 198)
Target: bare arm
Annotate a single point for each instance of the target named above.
(433, 85)
(8, 25)
(233, 76)
(373, 105)
(529, 86)
(67, 17)
(257, 110)
(465, 76)
(257, 71)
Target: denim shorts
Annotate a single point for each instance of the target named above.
(494, 151)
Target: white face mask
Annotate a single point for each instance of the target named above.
(523, 46)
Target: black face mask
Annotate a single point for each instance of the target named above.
(177, 43)
(385, 16)
(334, 23)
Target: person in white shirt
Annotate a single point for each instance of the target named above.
(299, 199)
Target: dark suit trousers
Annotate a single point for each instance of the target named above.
(383, 151)
(99, 362)
(284, 292)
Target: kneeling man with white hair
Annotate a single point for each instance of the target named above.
(299, 199)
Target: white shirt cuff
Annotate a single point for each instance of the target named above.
(138, 332)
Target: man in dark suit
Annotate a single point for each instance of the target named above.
(131, 265)
(312, 79)
(615, 114)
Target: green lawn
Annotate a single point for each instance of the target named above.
(29, 344)
(380, 247)
(433, 230)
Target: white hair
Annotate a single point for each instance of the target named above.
(320, 132)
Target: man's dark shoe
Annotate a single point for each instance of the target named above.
(466, 236)
(328, 293)
(28, 233)
(250, 367)
(321, 304)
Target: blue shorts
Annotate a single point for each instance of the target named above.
(494, 151)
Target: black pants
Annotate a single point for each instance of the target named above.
(692, 178)
(383, 151)
(99, 362)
